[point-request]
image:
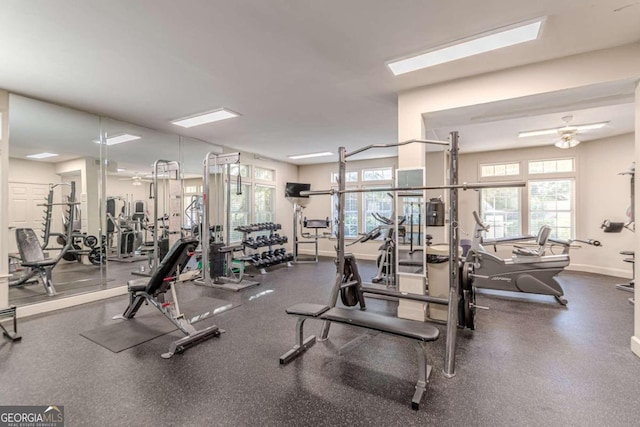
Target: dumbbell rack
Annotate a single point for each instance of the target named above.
(267, 258)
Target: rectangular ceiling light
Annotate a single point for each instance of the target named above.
(42, 155)
(554, 131)
(497, 39)
(200, 119)
(119, 139)
(308, 156)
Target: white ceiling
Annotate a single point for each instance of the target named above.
(305, 75)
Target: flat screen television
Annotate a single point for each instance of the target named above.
(293, 189)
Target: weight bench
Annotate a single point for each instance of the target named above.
(152, 290)
(419, 332)
(32, 256)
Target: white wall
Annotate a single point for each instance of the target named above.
(549, 76)
(32, 172)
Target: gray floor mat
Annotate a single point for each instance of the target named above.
(149, 323)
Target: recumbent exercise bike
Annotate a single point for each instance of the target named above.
(529, 270)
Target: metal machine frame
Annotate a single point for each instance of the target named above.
(454, 238)
(219, 163)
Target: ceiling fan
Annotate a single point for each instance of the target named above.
(137, 180)
(567, 133)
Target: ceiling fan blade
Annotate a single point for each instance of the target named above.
(566, 128)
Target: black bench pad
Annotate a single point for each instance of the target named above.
(137, 285)
(306, 309)
(391, 325)
(45, 263)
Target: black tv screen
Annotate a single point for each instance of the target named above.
(293, 189)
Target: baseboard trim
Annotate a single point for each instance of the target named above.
(635, 345)
(71, 301)
(607, 271)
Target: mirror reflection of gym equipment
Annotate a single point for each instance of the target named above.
(127, 220)
(166, 227)
(33, 261)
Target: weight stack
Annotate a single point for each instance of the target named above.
(216, 260)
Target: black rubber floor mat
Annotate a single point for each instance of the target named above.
(149, 323)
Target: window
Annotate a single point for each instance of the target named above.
(360, 206)
(380, 174)
(551, 166)
(265, 206)
(240, 211)
(500, 208)
(551, 203)
(245, 170)
(379, 202)
(500, 169)
(349, 177)
(548, 201)
(262, 174)
(350, 214)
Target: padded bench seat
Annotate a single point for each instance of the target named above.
(137, 285)
(378, 322)
(306, 309)
(419, 332)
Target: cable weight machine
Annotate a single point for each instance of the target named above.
(219, 267)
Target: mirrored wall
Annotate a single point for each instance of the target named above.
(55, 177)
(97, 194)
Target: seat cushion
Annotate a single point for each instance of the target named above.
(305, 309)
(378, 322)
(45, 263)
(137, 285)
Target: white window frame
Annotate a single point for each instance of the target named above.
(360, 183)
(524, 194)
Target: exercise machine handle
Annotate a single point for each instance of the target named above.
(485, 227)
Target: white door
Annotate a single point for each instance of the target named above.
(24, 211)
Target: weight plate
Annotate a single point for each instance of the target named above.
(90, 241)
(69, 256)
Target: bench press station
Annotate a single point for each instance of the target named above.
(153, 290)
(419, 332)
(348, 284)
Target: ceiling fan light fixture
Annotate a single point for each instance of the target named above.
(567, 140)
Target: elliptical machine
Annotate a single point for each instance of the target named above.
(528, 270)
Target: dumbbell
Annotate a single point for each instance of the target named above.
(256, 260)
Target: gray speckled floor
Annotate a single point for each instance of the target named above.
(529, 363)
